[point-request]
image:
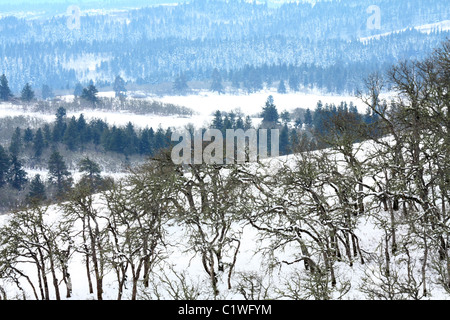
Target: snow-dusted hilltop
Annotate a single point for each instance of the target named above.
(250, 43)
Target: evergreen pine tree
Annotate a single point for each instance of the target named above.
(167, 138)
(37, 190)
(145, 147)
(240, 123)
(38, 143)
(28, 136)
(119, 87)
(294, 140)
(294, 83)
(270, 113)
(27, 93)
(232, 117)
(15, 147)
(5, 92)
(159, 139)
(131, 140)
(96, 129)
(114, 139)
(151, 138)
(46, 92)
(180, 85)
(227, 124)
(318, 118)
(46, 131)
(59, 174)
(284, 140)
(281, 87)
(17, 177)
(4, 166)
(298, 123)
(216, 84)
(71, 137)
(83, 130)
(78, 91)
(90, 94)
(285, 117)
(308, 117)
(91, 173)
(352, 108)
(60, 125)
(217, 121)
(248, 123)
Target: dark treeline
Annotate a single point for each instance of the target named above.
(78, 134)
(300, 130)
(41, 148)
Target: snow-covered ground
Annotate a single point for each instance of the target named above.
(207, 102)
(204, 104)
(182, 262)
(179, 258)
(426, 28)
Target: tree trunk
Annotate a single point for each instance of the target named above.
(387, 257)
(393, 227)
(55, 279)
(88, 272)
(424, 265)
(41, 287)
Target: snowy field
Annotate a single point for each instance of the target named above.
(207, 102)
(204, 105)
(183, 263)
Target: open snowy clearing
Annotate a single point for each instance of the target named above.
(204, 104)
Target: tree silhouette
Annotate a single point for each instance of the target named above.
(4, 166)
(27, 93)
(38, 143)
(180, 85)
(216, 85)
(281, 87)
(59, 175)
(17, 177)
(270, 113)
(46, 92)
(119, 87)
(90, 94)
(37, 190)
(5, 92)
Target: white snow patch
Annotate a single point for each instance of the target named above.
(425, 28)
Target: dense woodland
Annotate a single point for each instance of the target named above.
(251, 45)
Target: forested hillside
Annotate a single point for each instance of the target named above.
(251, 45)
